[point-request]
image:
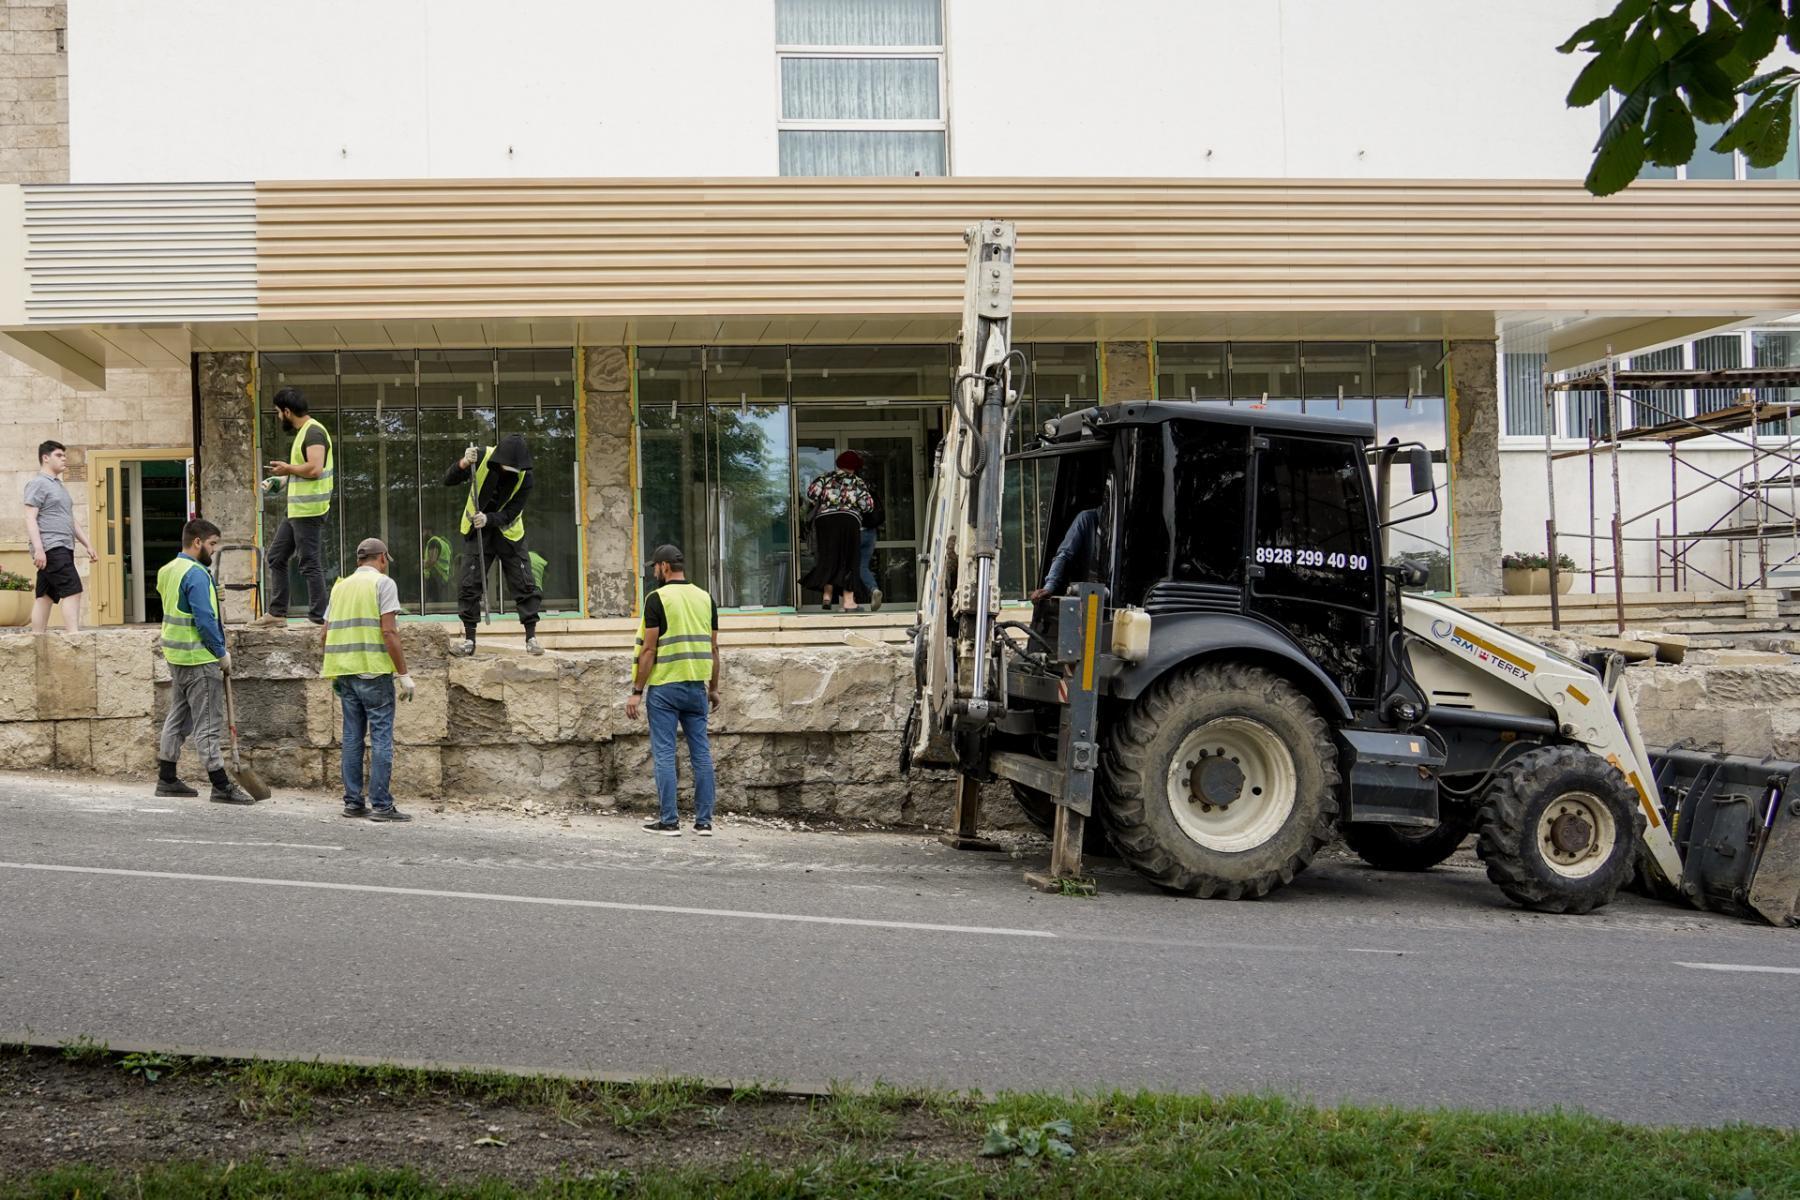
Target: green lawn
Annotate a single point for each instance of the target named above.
(888, 1142)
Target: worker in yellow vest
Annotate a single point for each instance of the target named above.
(493, 529)
(306, 478)
(193, 644)
(436, 567)
(367, 667)
(676, 683)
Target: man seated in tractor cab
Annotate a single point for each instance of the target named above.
(1074, 557)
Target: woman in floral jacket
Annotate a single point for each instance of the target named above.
(839, 500)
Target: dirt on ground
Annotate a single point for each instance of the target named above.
(55, 1112)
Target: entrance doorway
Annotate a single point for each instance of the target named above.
(893, 451)
(138, 502)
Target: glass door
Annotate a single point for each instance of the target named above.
(893, 465)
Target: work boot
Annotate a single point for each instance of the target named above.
(532, 645)
(231, 793)
(269, 620)
(875, 600)
(464, 648)
(167, 784)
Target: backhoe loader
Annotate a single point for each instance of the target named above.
(1235, 675)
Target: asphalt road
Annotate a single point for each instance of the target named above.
(813, 957)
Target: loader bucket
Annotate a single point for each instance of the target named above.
(1736, 824)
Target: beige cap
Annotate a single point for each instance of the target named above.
(369, 548)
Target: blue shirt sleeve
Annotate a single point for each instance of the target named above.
(1077, 546)
(196, 597)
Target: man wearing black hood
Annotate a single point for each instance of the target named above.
(499, 479)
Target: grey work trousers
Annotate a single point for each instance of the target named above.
(197, 711)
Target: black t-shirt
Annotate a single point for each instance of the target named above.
(655, 618)
(315, 436)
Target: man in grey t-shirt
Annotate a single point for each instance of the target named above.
(50, 524)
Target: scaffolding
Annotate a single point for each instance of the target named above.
(1754, 415)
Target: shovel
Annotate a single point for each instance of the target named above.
(247, 777)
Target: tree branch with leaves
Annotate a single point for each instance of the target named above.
(1669, 73)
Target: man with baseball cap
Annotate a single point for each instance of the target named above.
(676, 682)
(366, 665)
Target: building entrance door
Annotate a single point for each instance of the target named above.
(894, 465)
(138, 502)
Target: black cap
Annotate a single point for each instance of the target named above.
(668, 554)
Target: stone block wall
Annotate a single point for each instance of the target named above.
(804, 732)
(34, 91)
(1474, 421)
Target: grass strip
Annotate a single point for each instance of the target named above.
(1261, 1147)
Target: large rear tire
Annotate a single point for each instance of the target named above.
(1560, 830)
(1407, 848)
(1221, 781)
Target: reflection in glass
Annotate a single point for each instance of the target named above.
(537, 400)
(1260, 369)
(1336, 368)
(1421, 536)
(1191, 371)
(672, 450)
(1408, 368)
(378, 463)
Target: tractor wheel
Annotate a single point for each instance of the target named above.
(1559, 831)
(1405, 848)
(1040, 810)
(1221, 781)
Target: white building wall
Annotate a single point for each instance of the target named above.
(230, 89)
(1643, 485)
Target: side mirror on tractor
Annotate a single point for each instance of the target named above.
(1422, 481)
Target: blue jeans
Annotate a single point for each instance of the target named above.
(683, 705)
(864, 563)
(368, 704)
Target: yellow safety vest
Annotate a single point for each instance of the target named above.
(353, 644)
(181, 642)
(684, 650)
(440, 568)
(309, 497)
(512, 532)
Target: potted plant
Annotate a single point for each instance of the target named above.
(1527, 573)
(16, 595)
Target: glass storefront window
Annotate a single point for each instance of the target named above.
(1191, 371)
(378, 468)
(1408, 368)
(399, 420)
(1265, 369)
(1336, 369)
(537, 400)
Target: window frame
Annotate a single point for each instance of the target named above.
(941, 124)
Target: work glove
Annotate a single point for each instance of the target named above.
(404, 685)
(272, 485)
(225, 662)
(479, 520)
(471, 456)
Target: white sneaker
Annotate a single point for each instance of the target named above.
(464, 648)
(533, 646)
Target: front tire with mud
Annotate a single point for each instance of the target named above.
(1560, 829)
(1221, 781)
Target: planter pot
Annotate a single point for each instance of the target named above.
(1534, 581)
(15, 608)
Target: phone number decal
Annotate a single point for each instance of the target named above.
(1301, 556)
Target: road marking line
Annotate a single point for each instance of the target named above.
(1748, 967)
(551, 901)
(204, 842)
(156, 810)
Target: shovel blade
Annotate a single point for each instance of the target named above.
(252, 782)
(1736, 824)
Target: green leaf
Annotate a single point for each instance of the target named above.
(1670, 127)
(1764, 132)
(1793, 31)
(1593, 82)
(1620, 150)
(998, 1143)
(1059, 1148)
(1762, 29)
(1711, 94)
